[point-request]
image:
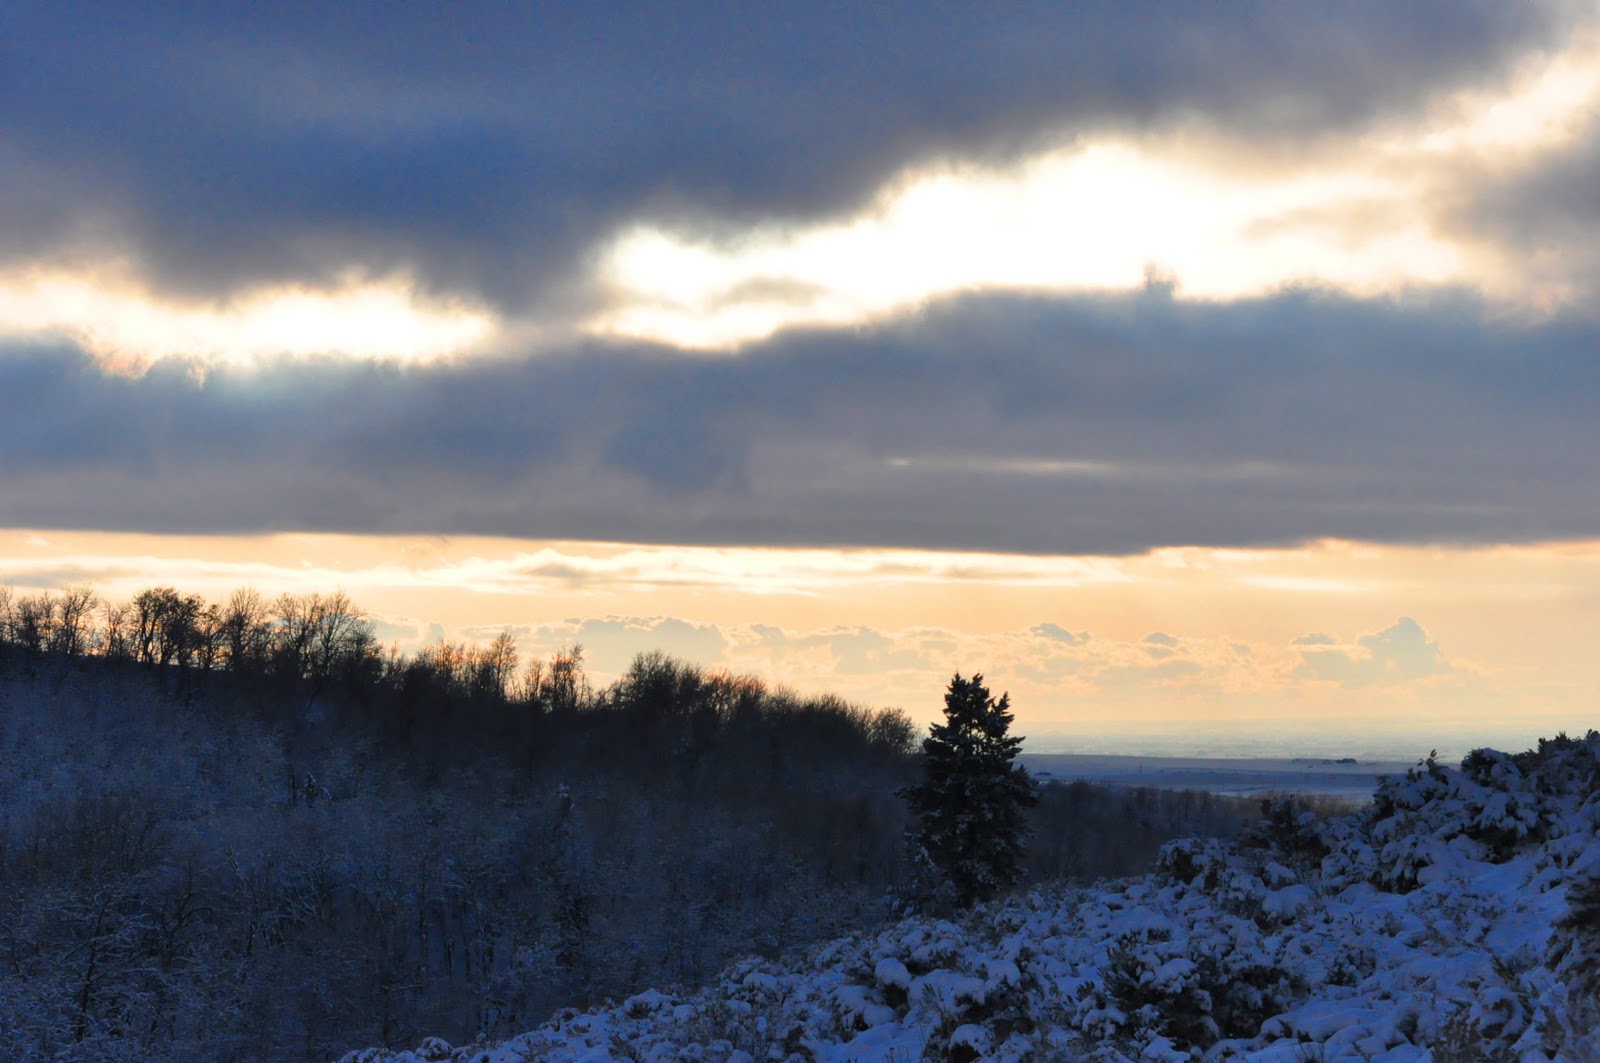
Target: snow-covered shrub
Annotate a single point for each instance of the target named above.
(1221, 980)
(1290, 831)
(1462, 1039)
(1572, 1026)
(1576, 945)
(1198, 862)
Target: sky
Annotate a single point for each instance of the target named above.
(1214, 379)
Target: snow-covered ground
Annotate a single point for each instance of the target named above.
(1436, 924)
(1332, 777)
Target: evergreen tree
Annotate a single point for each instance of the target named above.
(969, 804)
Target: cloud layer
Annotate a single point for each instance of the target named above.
(1088, 425)
(488, 153)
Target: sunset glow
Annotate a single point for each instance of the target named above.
(1279, 649)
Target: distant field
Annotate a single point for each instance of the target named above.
(1219, 775)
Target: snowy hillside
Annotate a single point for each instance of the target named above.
(1458, 918)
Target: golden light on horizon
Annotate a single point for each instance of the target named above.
(1298, 641)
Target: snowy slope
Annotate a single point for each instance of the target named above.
(1434, 925)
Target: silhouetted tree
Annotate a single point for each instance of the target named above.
(969, 804)
(245, 628)
(71, 633)
(494, 666)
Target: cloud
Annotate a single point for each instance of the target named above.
(1543, 215)
(405, 633)
(1160, 638)
(1398, 654)
(128, 326)
(903, 666)
(967, 427)
(222, 153)
(1057, 633)
(859, 651)
(611, 643)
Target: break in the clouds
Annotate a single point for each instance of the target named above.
(1082, 425)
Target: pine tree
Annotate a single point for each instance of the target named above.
(969, 804)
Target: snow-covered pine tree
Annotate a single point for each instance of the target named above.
(969, 804)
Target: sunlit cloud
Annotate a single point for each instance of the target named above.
(1174, 210)
(1549, 101)
(126, 325)
(1114, 213)
(518, 570)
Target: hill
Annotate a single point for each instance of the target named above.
(216, 844)
(1457, 918)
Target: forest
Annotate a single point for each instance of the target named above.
(245, 830)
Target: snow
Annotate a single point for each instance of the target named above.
(891, 972)
(1424, 924)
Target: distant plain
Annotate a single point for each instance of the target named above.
(1235, 776)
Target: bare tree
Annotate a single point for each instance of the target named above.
(116, 642)
(151, 624)
(32, 620)
(70, 633)
(564, 688)
(318, 635)
(246, 630)
(493, 667)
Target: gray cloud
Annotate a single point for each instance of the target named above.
(1261, 422)
(488, 148)
(1545, 215)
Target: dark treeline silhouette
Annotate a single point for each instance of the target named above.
(244, 830)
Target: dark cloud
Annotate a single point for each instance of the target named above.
(488, 146)
(1544, 214)
(1264, 422)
